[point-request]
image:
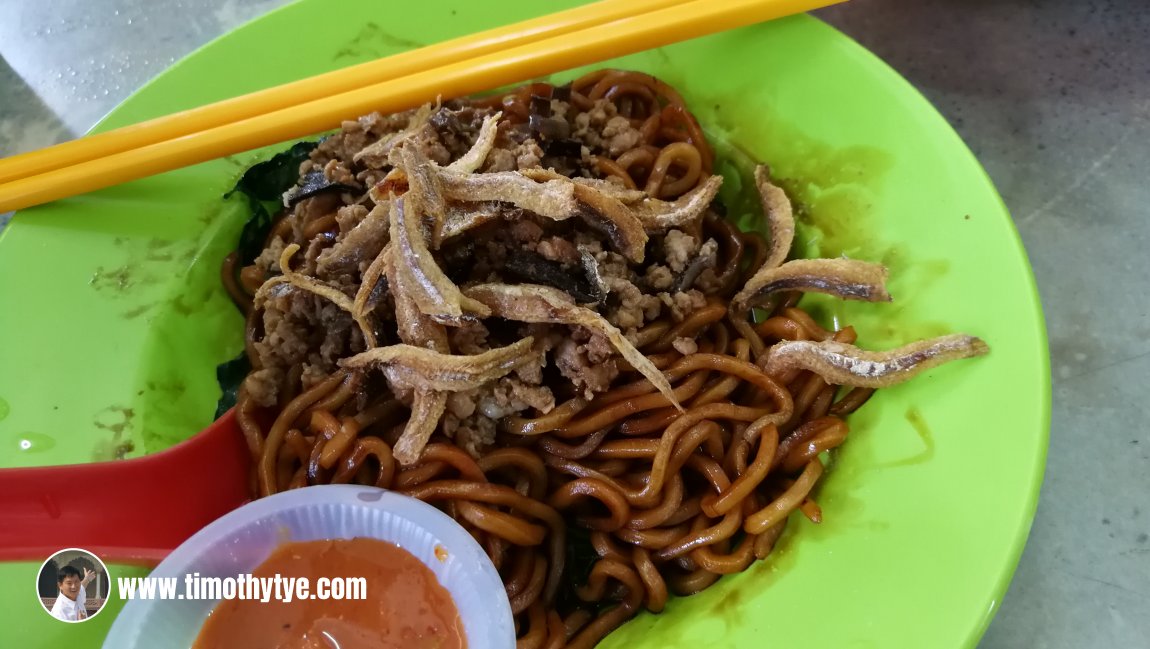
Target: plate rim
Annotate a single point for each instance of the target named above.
(1020, 535)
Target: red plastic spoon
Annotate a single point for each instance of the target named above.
(134, 511)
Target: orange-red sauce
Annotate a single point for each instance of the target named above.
(405, 607)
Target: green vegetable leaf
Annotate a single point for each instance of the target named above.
(263, 185)
(581, 556)
(230, 375)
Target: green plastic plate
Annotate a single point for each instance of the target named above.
(112, 321)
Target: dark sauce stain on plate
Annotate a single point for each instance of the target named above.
(858, 464)
(135, 272)
(132, 314)
(114, 418)
(107, 450)
(147, 265)
(729, 609)
(113, 279)
(172, 388)
(731, 602)
(182, 306)
(918, 423)
(238, 161)
(117, 420)
(374, 41)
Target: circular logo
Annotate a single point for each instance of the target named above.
(73, 585)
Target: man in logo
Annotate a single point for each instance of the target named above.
(70, 605)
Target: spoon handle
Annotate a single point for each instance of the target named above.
(134, 511)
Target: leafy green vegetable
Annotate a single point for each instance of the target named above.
(263, 184)
(581, 556)
(230, 375)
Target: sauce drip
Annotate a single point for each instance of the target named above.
(405, 606)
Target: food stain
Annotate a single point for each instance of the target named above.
(729, 606)
(119, 279)
(733, 600)
(149, 264)
(132, 314)
(187, 304)
(107, 450)
(236, 161)
(441, 553)
(117, 420)
(114, 418)
(372, 42)
(122, 280)
(159, 398)
(918, 423)
(181, 307)
(158, 250)
(173, 388)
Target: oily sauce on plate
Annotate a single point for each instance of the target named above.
(405, 607)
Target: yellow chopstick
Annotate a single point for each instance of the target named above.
(318, 87)
(613, 39)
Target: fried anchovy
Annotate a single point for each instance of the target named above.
(554, 199)
(462, 217)
(780, 218)
(410, 367)
(421, 277)
(846, 278)
(416, 328)
(557, 198)
(375, 155)
(843, 364)
(424, 192)
(427, 408)
(658, 216)
(477, 154)
(534, 303)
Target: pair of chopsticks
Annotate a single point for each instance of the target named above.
(463, 66)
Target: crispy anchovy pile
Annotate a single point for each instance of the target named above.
(420, 204)
(426, 205)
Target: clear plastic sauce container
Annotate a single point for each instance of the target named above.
(233, 546)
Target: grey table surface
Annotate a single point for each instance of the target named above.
(1053, 97)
